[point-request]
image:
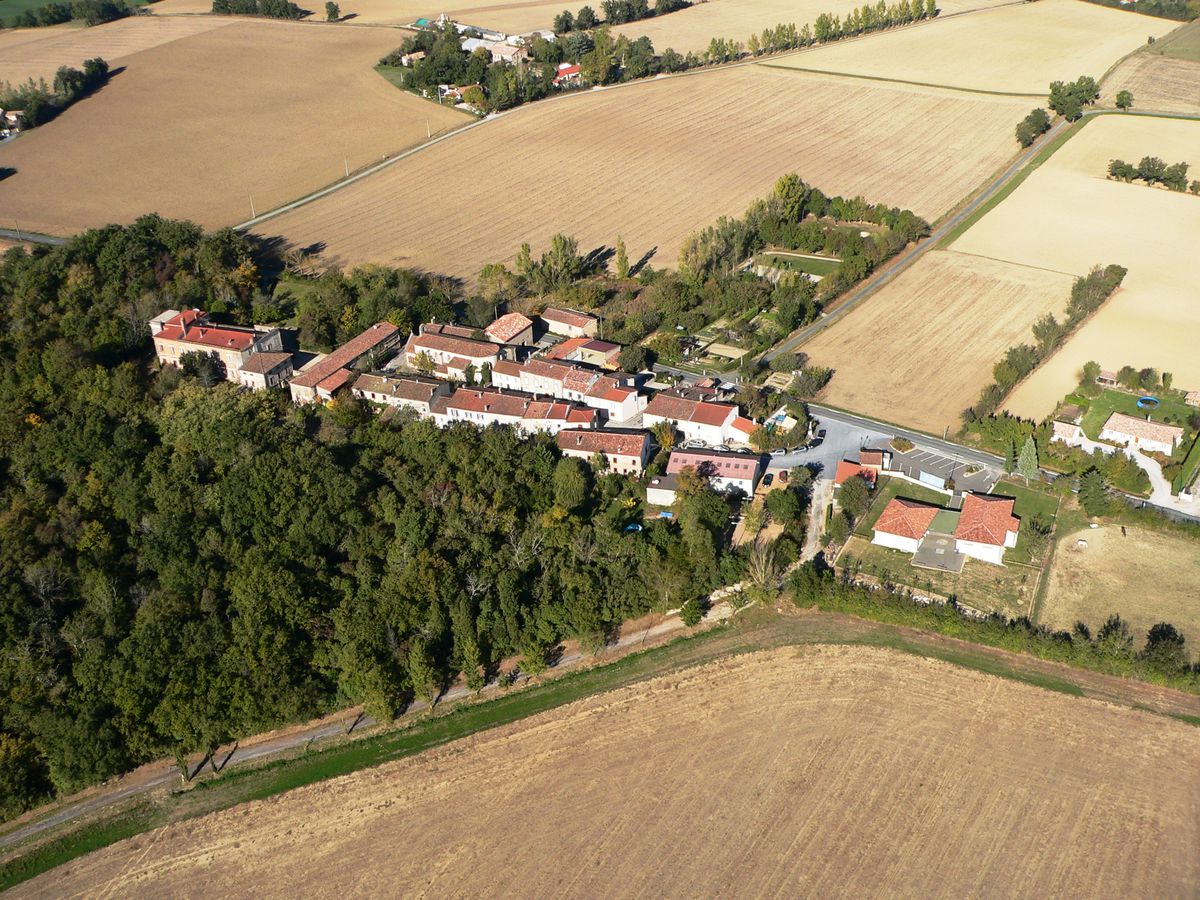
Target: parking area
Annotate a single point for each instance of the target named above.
(916, 461)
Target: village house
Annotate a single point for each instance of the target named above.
(176, 333)
(587, 350)
(403, 391)
(699, 420)
(569, 323)
(1143, 434)
(1192, 398)
(624, 452)
(614, 394)
(527, 414)
(726, 472)
(983, 529)
(568, 73)
(409, 59)
(450, 354)
(325, 375)
(510, 328)
(662, 490)
(1068, 433)
(1107, 378)
(847, 470)
(266, 370)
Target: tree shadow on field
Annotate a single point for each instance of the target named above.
(637, 267)
(7, 172)
(598, 259)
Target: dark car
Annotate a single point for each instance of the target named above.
(767, 480)
(817, 441)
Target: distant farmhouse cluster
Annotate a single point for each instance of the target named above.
(548, 375)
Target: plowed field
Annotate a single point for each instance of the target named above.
(1158, 83)
(196, 127)
(815, 772)
(1014, 49)
(922, 348)
(655, 161)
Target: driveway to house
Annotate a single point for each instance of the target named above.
(1160, 488)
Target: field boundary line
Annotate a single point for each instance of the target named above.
(901, 81)
(1009, 262)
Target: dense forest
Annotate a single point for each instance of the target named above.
(181, 565)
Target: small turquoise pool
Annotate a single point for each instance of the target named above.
(1147, 402)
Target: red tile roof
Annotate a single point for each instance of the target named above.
(192, 327)
(566, 347)
(847, 470)
(986, 519)
(610, 443)
(568, 316)
(1143, 429)
(401, 388)
(506, 367)
(346, 355)
(906, 518)
(871, 458)
(336, 380)
(464, 347)
(507, 327)
(601, 347)
(668, 406)
(713, 413)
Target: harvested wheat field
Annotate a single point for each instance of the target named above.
(36, 55)
(158, 138)
(654, 161)
(1014, 49)
(1145, 576)
(922, 348)
(816, 771)
(692, 29)
(1068, 217)
(1159, 83)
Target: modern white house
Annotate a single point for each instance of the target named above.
(903, 524)
(986, 527)
(1142, 434)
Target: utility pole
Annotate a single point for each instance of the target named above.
(346, 163)
(253, 214)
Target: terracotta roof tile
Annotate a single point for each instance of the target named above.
(986, 519)
(906, 518)
(1143, 429)
(262, 363)
(611, 443)
(507, 327)
(346, 354)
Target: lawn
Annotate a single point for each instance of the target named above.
(1190, 465)
(820, 266)
(1171, 409)
(896, 487)
(1031, 502)
(1007, 589)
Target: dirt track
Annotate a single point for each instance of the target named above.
(800, 771)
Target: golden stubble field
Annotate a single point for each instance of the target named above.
(1013, 49)
(1112, 574)
(921, 349)
(194, 127)
(1068, 217)
(797, 772)
(653, 162)
(37, 52)
(692, 29)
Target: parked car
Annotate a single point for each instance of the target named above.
(767, 480)
(816, 442)
(783, 476)
(782, 451)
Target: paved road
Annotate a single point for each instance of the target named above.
(945, 447)
(32, 237)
